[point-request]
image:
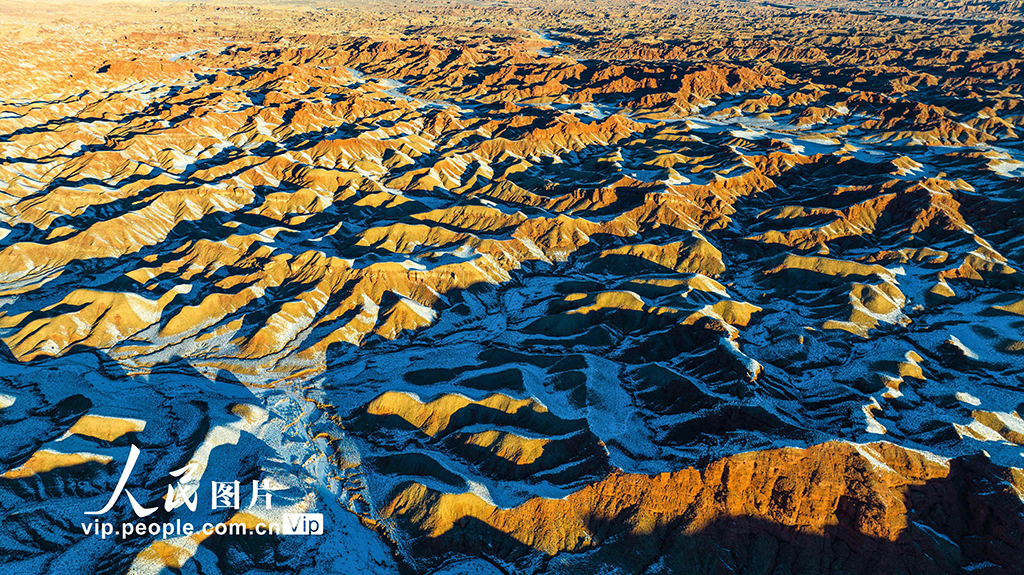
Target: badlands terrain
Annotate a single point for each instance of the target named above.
(505, 287)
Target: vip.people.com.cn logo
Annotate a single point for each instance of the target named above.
(223, 495)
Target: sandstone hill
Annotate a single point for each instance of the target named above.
(728, 287)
